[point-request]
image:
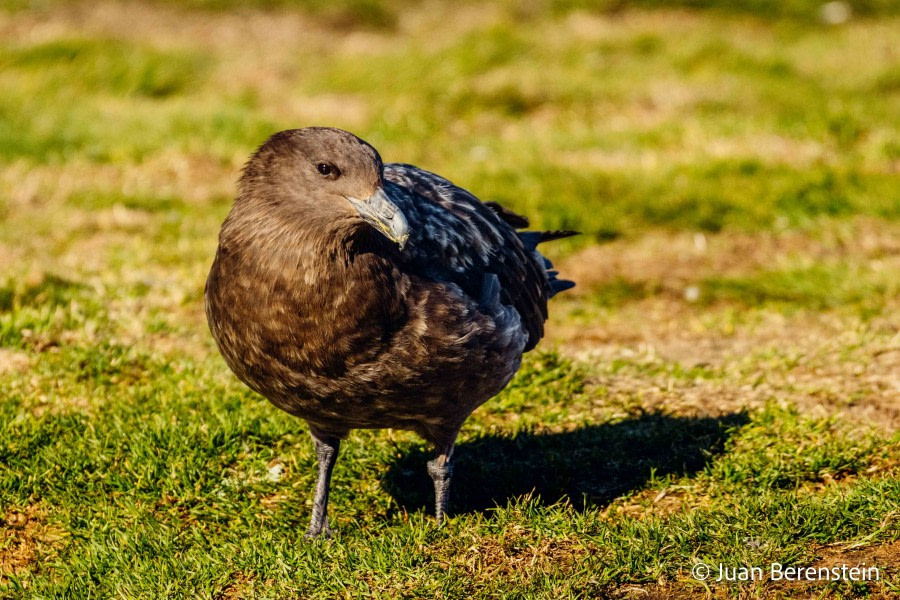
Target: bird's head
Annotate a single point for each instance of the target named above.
(325, 174)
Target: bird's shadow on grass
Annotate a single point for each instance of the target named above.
(587, 467)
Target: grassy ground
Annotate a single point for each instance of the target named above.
(722, 386)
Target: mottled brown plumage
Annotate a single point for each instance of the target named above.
(354, 294)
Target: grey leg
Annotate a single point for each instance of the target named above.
(326, 451)
(441, 469)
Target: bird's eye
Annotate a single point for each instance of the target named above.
(326, 170)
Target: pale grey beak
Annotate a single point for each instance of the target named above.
(380, 212)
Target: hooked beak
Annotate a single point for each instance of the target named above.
(380, 212)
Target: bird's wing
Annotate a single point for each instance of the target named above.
(457, 238)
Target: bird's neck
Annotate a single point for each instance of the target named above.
(310, 256)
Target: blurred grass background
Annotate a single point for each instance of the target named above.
(727, 367)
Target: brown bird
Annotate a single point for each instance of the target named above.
(355, 294)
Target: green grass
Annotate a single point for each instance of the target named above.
(720, 386)
(164, 491)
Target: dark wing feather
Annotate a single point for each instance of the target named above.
(516, 220)
(457, 238)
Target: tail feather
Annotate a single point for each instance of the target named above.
(531, 239)
(560, 285)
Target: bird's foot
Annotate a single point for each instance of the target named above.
(319, 532)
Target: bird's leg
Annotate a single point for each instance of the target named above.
(441, 469)
(326, 451)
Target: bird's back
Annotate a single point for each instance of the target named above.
(457, 238)
(460, 239)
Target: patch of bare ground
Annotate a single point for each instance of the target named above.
(240, 586)
(42, 397)
(767, 148)
(190, 178)
(830, 562)
(661, 592)
(824, 372)
(164, 25)
(653, 503)
(26, 538)
(674, 258)
(828, 363)
(815, 373)
(519, 553)
(13, 361)
(878, 564)
(248, 31)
